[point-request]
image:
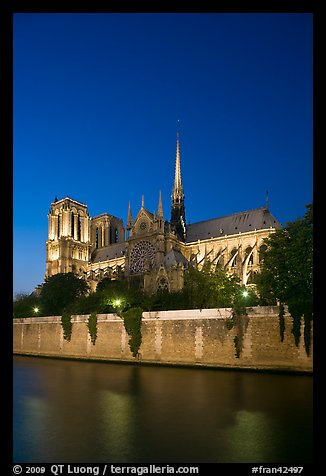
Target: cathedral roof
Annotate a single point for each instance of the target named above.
(174, 257)
(257, 219)
(115, 250)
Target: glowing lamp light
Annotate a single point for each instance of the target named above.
(117, 302)
(245, 293)
(36, 310)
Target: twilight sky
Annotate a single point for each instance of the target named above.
(97, 98)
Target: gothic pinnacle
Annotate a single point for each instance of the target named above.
(129, 219)
(160, 206)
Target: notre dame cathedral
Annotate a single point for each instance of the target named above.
(150, 246)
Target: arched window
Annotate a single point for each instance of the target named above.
(58, 226)
(96, 238)
(116, 235)
(72, 224)
(79, 228)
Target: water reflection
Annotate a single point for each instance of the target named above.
(117, 424)
(68, 411)
(254, 431)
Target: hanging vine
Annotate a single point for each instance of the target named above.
(297, 312)
(229, 323)
(132, 321)
(307, 332)
(66, 325)
(92, 327)
(239, 320)
(241, 324)
(281, 321)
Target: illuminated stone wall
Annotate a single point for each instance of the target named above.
(191, 337)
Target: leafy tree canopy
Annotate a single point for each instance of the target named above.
(59, 292)
(286, 273)
(26, 305)
(214, 287)
(210, 287)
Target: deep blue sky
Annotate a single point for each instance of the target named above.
(96, 102)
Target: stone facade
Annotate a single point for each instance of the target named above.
(188, 337)
(150, 246)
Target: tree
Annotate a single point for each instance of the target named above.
(210, 287)
(60, 292)
(26, 305)
(286, 273)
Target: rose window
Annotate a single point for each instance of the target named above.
(143, 253)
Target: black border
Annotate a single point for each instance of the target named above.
(7, 11)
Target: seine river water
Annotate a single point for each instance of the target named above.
(91, 412)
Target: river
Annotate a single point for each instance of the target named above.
(68, 411)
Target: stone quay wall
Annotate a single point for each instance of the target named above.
(194, 337)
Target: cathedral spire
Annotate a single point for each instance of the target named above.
(178, 218)
(177, 191)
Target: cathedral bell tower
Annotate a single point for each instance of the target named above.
(178, 217)
(68, 245)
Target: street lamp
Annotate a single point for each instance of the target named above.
(36, 310)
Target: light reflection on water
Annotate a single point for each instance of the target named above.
(117, 423)
(253, 430)
(69, 411)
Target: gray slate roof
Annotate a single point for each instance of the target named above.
(174, 257)
(259, 218)
(115, 250)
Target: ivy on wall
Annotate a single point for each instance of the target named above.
(237, 346)
(229, 323)
(307, 332)
(240, 324)
(132, 319)
(92, 327)
(66, 325)
(239, 321)
(297, 313)
(281, 322)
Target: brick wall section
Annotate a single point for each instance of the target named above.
(188, 337)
